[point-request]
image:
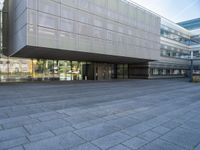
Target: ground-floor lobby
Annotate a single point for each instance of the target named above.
(20, 69)
(100, 115)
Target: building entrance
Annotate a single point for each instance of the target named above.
(103, 71)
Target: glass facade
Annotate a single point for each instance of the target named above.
(195, 40)
(12, 69)
(191, 24)
(18, 69)
(172, 34)
(176, 45)
(174, 52)
(167, 72)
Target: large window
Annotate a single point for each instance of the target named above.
(12, 69)
(18, 69)
(174, 35)
(169, 51)
(167, 72)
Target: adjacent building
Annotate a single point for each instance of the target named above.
(94, 40)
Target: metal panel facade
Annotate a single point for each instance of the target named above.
(109, 27)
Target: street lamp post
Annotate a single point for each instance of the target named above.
(191, 66)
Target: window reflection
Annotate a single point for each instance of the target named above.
(175, 35)
(167, 72)
(18, 69)
(169, 51)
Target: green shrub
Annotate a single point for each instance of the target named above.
(196, 79)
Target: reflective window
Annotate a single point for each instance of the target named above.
(19, 69)
(166, 32)
(168, 51)
(167, 72)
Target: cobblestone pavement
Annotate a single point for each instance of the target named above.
(110, 115)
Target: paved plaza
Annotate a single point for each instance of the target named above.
(102, 115)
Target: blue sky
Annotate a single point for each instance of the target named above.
(1, 1)
(174, 10)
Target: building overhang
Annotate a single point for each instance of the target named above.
(56, 54)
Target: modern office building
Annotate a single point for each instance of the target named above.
(94, 40)
(194, 28)
(174, 51)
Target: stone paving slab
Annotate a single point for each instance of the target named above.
(40, 136)
(61, 142)
(14, 142)
(17, 148)
(137, 129)
(123, 122)
(86, 146)
(45, 126)
(11, 134)
(135, 143)
(96, 131)
(160, 130)
(183, 137)
(119, 147)
(197, 147)
(64, 130)
(171, 124)
(102, 115)
(161, 145)
(111, 140)
(149, 136)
